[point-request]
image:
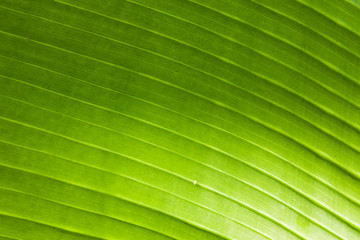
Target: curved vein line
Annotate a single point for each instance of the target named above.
(180, 135)
(303, 195)
(265, 32)
(7, 237)
(183, 177)
(144, 121)
(229, 82)
(234, 85)
(315, 32)
(210, 125)
(146, 206)
(331, 18)
(295, 20)
(331, 113)
(319, 60)
(147, 184)
(273, 128)
(223, 36)
(219, 57)
(160, 106)
(354, 4)
(282, 202)
(107, 171)
(269, 101)
(76, 207)
(329, 38)
(51, 226)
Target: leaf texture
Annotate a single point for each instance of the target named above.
(180, 119)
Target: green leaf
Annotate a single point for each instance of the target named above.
(180, 119)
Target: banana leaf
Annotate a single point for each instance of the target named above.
(179, 119)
